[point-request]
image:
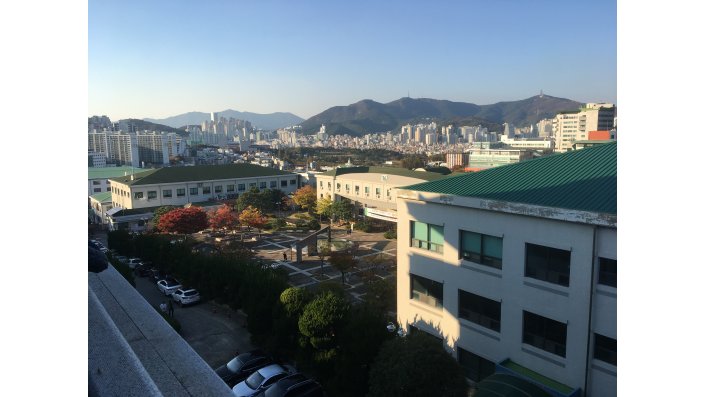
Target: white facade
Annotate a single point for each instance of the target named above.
(574, 126)
(585, 306)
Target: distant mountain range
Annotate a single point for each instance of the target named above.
(142, 125)
(369, 116)
(270, 121)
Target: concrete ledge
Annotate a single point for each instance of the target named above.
(134, 351)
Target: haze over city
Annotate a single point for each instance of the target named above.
(159, 59)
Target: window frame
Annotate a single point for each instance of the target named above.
(607, 278)
(548, 270)
(191, 191)
(165, 194)
(181, 192)
(482, 317)
(475, 367)
(604, 353)
(481, 257)
(541, 340)
(151, 195)
(427, 297)
(427, 244)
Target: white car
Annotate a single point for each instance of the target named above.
(168, 286)
(186, 296)
(134, 262)
(261, 379)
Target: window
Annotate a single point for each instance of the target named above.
(206, 190)
(180, 192)
(367, 190)
(166, 193)
(475, 367)
(219, 189)
(151, 195)
(426, 291)
(96, 183)
(97, 190)
(605, 349)
(608, 272)
(193, 191)
(230, 188)
(481, 248)
(283, 183)
(479, 310)
(427, 236)
(377, 191)
(272, 184)
(107, 189)
(292, 182)
(240, 187)
(139, 195)
(357, 190)
(263, 185)
(321, 184)
(548, 264)
(329, 186)
(347, 188)
(337, 186)
(544, 333)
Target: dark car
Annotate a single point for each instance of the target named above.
(296, 385)
(143, 270)
(157, 275)
(242, 366)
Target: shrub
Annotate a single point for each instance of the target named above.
(313, 225)
(390, 234)
(364, 226)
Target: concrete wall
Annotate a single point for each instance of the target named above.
(388, 188)
(570, 305)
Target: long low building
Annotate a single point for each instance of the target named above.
(515, 268)
(182, 185)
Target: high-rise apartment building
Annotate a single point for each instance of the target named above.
(569, 127)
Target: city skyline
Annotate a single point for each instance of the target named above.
(270, 57)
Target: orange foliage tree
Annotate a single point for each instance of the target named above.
(252, 217)
(223, 217)
(305, 198)
(183, 220)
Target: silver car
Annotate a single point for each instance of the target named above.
(186, 296)
(167, 287)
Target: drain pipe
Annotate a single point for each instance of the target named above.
(592, 293)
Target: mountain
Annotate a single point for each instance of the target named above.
(270, 121)
(369, 116)
(141, 125)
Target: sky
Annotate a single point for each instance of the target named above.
(157, 58)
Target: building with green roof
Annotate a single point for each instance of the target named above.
(371, 189)
(98, 177)
(515, 267)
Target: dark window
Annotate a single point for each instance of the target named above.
(427, 291)
(97, 190)
(548, 264)
(166, 193)
(180, 192)
(230, 188)
(253, 185)
(206, 189)
(240, 187)
(479, 310)
(475, 367)
(481, 248)
(96, 183)
(292, 182)
(152, 194)
(283, 183)
(219, 189)
(193, 191)
(272, 184)
(608, 272)
(139, 195)
(605, 349)
(544, 333)
(427, 236)
(263, 185)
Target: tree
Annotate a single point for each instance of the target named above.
(321, 318)
(183, 220)
(252, 217)
(223, 217)
(305, 198)
(159, 212)
(343, 261)
(323, 206)
(342, 210)
(416, 365)
(413, 161)
(294, 300)
(253, 198)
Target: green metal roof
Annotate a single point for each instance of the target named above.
(111, 172)
(583, 180)
(102, 197)
(199, 173)
(505, 385)
(425, 175)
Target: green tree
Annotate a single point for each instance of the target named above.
(321, 318)
(252, 198)
(413, 161)
(343, 261)
(323, 206)
(416, 365)
(294, 300)
(342, 210)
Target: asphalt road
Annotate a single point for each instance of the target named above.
(214, 332)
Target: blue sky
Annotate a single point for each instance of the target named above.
(163, 58)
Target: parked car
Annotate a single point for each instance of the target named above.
(261, 379)
(157, 275)
(143, 270)
(168, 286)
(134, 262)
(296, 385)
(242, 366)
(120, 258)
(186, 296)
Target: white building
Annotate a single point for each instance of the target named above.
(99, 177)
(515, 268)
(569, 127)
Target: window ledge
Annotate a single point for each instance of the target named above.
(480, 268)
(605, 367)
(550, 357)
(606, 290)
(490, 333)
(424, 251)
(429, 309)
(546, 286)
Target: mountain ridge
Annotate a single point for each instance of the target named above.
(267, 121)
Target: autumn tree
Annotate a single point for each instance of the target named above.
(252, 217)
(343, 261)
(223, 217)
(323, 206)
(305, 198)
(183, 220)
(342, 210)
(159, 212)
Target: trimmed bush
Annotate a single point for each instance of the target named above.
(390, 234)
